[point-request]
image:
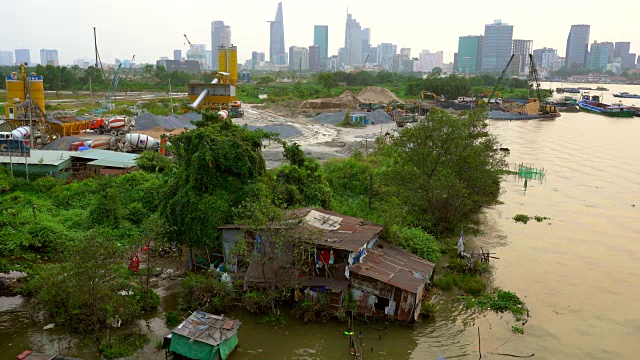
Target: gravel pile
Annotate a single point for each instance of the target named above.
(377, 117)
(63, 143)
(285, 131)
(148, 121)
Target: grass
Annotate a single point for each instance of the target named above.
(541, 218)
(172, 319)
(470, 284)
(500, 301)
(517, 329)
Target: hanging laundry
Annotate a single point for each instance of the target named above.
(326, 256)
(331, 258)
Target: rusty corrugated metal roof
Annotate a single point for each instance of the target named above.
(394, 266)
(350, 233)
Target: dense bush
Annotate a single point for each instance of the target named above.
(417, 241)
(256, 301)
(206, 292)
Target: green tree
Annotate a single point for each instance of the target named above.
(436, 70)
(328, 81)
(218, 166)
(444, 170)
(302, 181)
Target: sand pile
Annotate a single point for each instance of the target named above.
(284, 131)
(377, 95)
(148, 121)
(345, 101)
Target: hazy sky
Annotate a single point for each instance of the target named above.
(153, 28)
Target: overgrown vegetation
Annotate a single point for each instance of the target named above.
(522, 218)
(500, 301)
(207, 293)
(123, 345)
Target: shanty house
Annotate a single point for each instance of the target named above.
(390, 281)
(204, 336)
(385, 280)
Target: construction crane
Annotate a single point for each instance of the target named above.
(98, 60)
(534, 79)
(196, 52)
(504, 71)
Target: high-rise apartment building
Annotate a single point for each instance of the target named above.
(198, 52)
(352, 42)
(600, 54)
(277, 54)
(321, 40)
(49, 57)
(577, 46)
(23, 56)
(315, 58)
(496, 47)
(6, 58)
(469, 48)
(545, 58)
(406, 53)
(429, 60)
(220, 37)
(298, 58)
(521, 50)
(177, 55)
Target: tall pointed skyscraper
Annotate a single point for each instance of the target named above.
(353, 42)
(277, 54)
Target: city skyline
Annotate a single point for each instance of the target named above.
(151, 38)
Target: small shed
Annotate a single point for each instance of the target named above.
(204, 336)
(41, 162)
(103, 162)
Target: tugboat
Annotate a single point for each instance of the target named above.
(592, 104)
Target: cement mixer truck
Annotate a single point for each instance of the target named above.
(115, 126)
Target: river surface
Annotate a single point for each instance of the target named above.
(578, 272)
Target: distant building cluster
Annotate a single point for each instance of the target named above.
(488, 53)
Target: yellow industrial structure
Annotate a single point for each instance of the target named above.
(19, 88)
(220, 94)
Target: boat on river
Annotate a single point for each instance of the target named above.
(601, 88)
(611, 110)
(626, 95)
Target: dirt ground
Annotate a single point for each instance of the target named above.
(321, 141)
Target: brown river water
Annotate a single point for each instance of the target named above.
(578, 272)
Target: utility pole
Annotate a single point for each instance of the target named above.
(170, 97)
(30, 107)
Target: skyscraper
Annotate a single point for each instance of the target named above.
(365, 37)
(177, 54)
(220, 37)
(496, 47)
(406, 53)
(545, 58)
(321, 39)
(621, 51)
(6, 58)
(23, 56)
(521, 49)
(384, 55)
(600, 55)
(577, 46)
(469, 54)
(49, 57)
(315, 58)
(352, 42)
(298, 58)
(277, 53)
(429, 60)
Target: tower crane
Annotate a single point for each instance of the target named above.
(197, 53)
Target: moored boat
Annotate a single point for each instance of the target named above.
(605, 109)
(601, 88)
(626, 95)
